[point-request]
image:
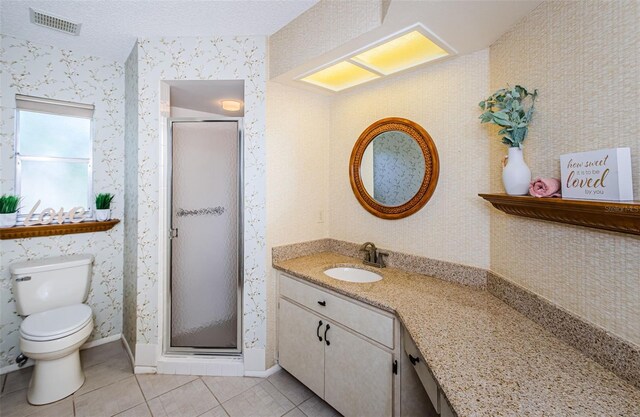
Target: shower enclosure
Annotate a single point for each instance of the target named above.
(205, 239)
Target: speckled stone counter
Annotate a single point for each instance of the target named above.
(489, 359)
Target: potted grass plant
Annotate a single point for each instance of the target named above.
(512, 109)
(103, 206)
(9, 205)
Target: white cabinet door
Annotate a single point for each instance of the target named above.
(358, 375)
(301, 352)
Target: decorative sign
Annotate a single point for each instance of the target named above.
(75, 215)
(604, 174)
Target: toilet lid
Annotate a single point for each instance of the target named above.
(55, 323)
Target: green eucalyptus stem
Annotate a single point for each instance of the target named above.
(512, 110)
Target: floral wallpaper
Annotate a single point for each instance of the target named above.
(46, 71)
(218, 58)
(398, 168)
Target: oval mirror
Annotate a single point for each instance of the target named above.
(394, 168)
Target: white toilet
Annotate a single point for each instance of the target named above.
(51, 292)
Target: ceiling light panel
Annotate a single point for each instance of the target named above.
(340, 76)
(400, 53)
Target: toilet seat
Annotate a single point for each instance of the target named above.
(56, 323)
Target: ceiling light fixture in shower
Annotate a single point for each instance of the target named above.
(231, 105)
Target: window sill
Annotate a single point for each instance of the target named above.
(22, 232)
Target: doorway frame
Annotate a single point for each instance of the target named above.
(167, 349)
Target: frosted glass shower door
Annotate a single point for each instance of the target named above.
(205, 230)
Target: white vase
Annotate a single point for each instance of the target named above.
(8, 219)
(103, 215)
(516, 175)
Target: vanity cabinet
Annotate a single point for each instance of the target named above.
(344, 351)
(300, 350)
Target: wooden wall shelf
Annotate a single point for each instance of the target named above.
(615, 216)
(21, 232)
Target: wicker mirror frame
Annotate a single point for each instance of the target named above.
(431, 171)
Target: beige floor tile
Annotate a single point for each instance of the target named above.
(95, 355)
(316, 407)
(105, 373)
(109, 400)
(295, 413)
(189, 400)
(227, 387)
(156, 384)
(290, 387)
(216, 412)
(141, 410)
(15, 405)
(262, 400)
(62, 408)
(17, 380)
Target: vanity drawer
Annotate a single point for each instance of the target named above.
(428, 381)
(359, 318)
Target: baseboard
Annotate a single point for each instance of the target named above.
(14, 367)
(102, 341)
(263, 374)
(128, 349)
(145, 370)
(88, 345)
(146, 355)
(254, 359)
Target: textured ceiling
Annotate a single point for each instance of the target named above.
(110, 27)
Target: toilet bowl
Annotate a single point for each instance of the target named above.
(50, 293)
(53, 339)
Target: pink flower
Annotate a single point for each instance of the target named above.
(545, 187)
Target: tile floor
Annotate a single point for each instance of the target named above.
(111, 389)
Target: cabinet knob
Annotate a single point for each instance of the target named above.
(326, 329)
(318, 330)
(322, 303)
(413, 359)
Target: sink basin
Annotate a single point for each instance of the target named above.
(353, 274)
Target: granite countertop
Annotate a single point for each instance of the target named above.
(489, 359)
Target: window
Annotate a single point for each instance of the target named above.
(53, 154)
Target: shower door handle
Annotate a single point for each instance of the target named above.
(173, 233)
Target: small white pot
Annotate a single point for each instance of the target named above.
(516, 175)
(8, 219)
(103, 215)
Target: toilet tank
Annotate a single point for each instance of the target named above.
(44, 284)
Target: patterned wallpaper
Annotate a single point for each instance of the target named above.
(46, 71)
(442, 98)
(398, 168)
(203, 59)
(583, 58)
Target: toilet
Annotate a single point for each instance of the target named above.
(50, 293)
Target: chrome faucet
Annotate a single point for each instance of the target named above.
(372, 255)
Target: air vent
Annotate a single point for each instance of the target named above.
(50, 21)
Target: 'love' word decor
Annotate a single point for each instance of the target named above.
(48, 215)
(604, 174)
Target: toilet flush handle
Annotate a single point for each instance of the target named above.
(23, 279)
